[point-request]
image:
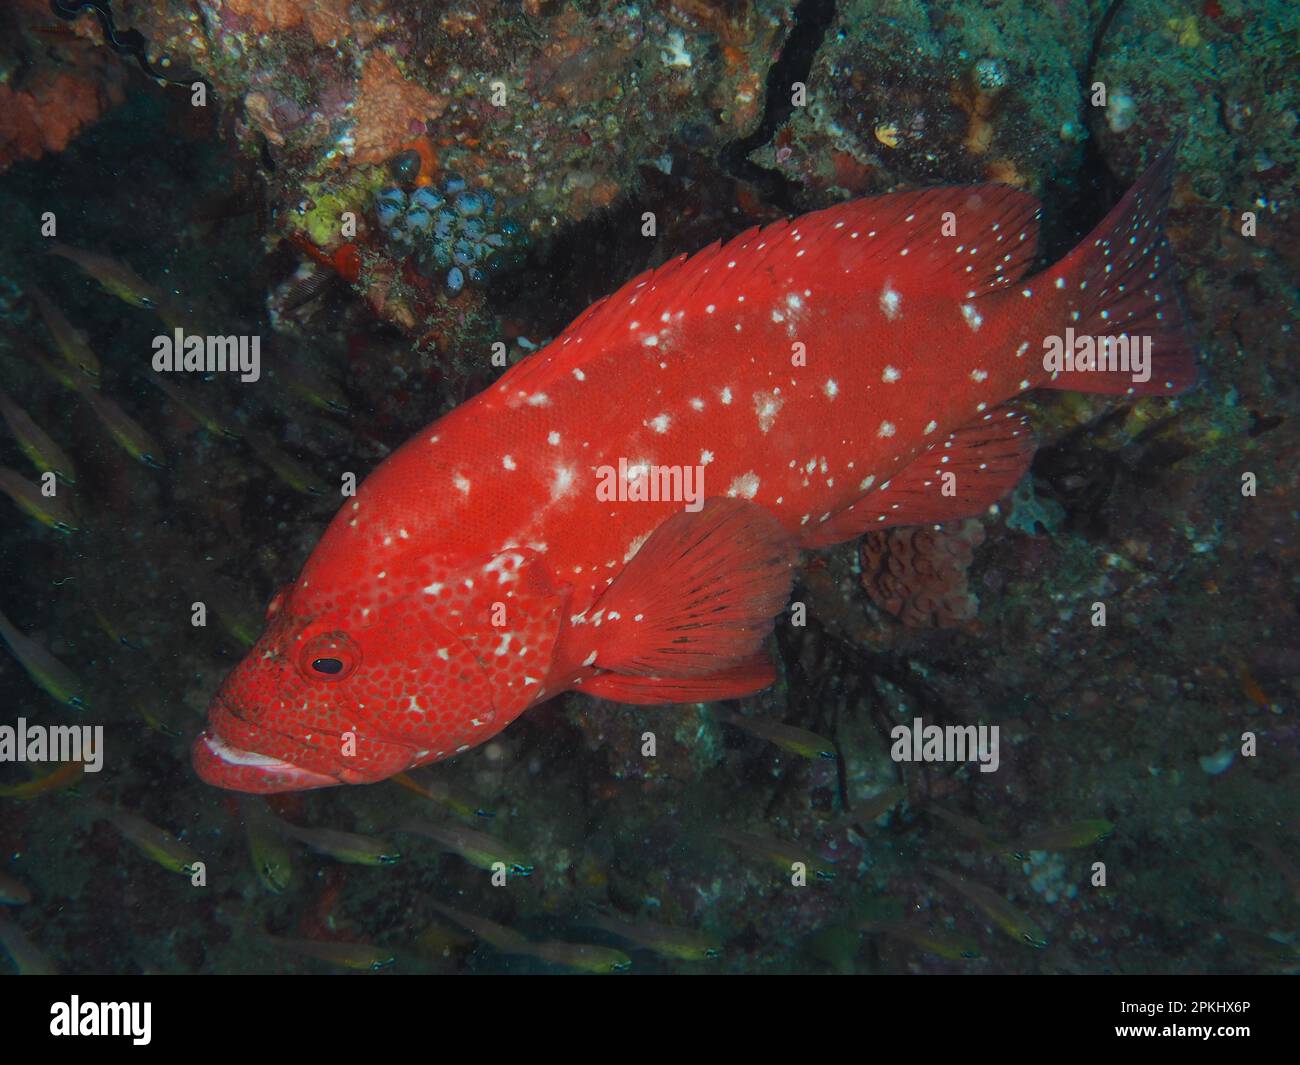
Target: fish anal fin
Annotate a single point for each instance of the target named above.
(986, 459)
(744, 679)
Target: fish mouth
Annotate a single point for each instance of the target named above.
(224, 765)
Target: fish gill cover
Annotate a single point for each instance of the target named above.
(688, 486)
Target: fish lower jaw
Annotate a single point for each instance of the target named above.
(226, 766)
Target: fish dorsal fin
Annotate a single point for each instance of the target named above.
(988, 241)
(987, 458)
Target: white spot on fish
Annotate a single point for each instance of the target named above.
(890, 301)
(767, 406)
(745, 486)
(563, 482)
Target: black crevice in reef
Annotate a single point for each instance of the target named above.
(811, 20)
(1095, 188)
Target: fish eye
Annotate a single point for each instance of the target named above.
(329, 656)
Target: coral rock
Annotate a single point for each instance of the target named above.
(918, 573)
(387, 106)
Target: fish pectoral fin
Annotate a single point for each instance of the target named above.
(699, 597)
(744, 679)
(985, 458)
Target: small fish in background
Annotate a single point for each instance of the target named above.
(309, 384)
(27, 957)
(106, 616)
(156, 844)
(351, 848)
(455, 800)
(127, 433)
(68, 775)
(187, 398)
(1004, 915)
(51, 675)
(114, 276)
(349, 955)
(965, 826)
(1071, 836)
(778, 853)
(892, 922)
(478, 848)
(287, 468)
(52, 511)
(13, 892)
(70, 341)
(584, 957)
(241, 620)
(35, 442)
(155, 720)
(789, 738)
(271, 857)
(56, 370)
(681, 944)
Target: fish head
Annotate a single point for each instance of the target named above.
(353, 686)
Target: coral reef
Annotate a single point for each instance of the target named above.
(574, 119)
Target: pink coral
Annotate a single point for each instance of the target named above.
(387, 107)
(918, 573)
(49, 111)
(326, 20)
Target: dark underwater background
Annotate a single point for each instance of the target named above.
(1145, 815)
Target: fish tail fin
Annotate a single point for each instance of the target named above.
(1123, 302)
(691, 610)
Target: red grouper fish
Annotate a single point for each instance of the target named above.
(820, 375)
